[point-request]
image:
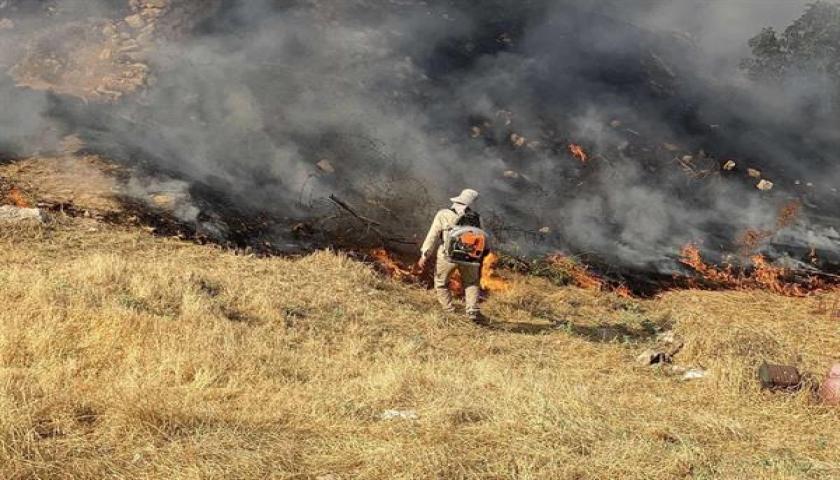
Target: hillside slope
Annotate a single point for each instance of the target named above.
(123, 355)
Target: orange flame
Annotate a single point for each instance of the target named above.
(580, 274)
(490, 280)
(764, 276)
(456, 284)
(16, 198)
(391, 266)
(578, 152)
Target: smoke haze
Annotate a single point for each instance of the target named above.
(398, 105)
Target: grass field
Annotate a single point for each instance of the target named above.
(128, 356)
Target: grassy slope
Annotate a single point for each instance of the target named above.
(126, 356)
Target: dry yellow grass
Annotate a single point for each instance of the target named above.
(127, 356)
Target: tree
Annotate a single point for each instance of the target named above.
(809, 46)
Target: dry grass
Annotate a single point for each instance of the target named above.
(125, 356)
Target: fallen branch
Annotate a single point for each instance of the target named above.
(349, 210)
(369, 223)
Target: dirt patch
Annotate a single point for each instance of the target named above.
(87, 182)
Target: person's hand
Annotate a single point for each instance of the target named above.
(421, 264)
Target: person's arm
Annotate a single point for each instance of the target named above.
(433, 237)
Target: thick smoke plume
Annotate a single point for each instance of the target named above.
(397, 105)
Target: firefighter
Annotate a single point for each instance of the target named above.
(457, 241)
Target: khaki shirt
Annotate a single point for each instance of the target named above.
(444, 220)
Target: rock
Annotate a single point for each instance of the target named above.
(545, 230)
(754, 173)
(135, 21)
(510, 174)
(517, 140)
(399, 415)
(110, 30)
(671, 147)
(670, 343)
(475, 132)
(729, 165)
(9, 213)
(652, 357)
(764, 185)
(615, 123)
(694, 374)
(830, 388)
(325, 166)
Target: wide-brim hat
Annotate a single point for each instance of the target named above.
(467, 197)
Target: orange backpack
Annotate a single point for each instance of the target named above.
(465, 244)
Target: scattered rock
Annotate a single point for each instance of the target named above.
(517, 140)
(765, 185)
(399, 415)
(545, 230)
(754, 173)
(510, 174)
(325, 166)
(6, 24)
(729, 165)
(475, 132)
(671, 147)
(615, 123)
(9, 213)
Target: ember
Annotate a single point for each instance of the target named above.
(578, 152)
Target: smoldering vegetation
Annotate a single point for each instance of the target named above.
(271, 106)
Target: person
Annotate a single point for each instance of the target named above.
(460, 216)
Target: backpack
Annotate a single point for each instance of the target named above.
(466, 242)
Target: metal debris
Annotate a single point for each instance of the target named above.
(779, 377)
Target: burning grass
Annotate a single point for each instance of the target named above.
(388, 264)
(124, 355)
(761, 276)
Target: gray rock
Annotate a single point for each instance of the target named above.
(10, 213)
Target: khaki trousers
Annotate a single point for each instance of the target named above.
(470, 277)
